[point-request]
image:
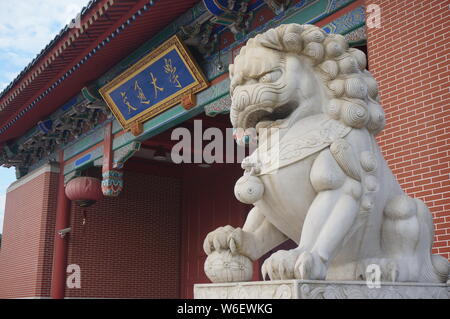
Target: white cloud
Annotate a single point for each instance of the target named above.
(26, 27)
(29, 25)
(16, 59)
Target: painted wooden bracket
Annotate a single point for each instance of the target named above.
(113, 162)
(189, 101)
(89, 95)
(137, 128)
(112, 183)
(124, 153)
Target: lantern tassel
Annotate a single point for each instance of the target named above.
(84, 216)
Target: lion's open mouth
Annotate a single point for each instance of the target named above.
(263, 114)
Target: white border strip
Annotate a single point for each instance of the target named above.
(52, 168)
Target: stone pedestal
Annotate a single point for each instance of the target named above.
(314, 289)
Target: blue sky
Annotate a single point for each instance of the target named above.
(26, 27)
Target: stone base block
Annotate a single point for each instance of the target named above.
(315, 289)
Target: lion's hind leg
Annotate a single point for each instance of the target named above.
(407, 236)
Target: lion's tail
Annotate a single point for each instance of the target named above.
(435, 268)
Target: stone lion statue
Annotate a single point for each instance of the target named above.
(326, 186)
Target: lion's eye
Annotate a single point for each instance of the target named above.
(270, 77)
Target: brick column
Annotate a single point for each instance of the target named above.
(27, 243)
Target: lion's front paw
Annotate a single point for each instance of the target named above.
(309, 266)
(223, 238)
(280, 265)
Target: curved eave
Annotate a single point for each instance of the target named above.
(102, 44)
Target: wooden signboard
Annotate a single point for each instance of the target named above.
(163, 78)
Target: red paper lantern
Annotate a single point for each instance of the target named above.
(85, 191)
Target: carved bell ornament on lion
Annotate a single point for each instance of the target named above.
(248, 189)
(85, 191)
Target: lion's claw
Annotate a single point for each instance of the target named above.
(223, 238)
(280, 265)
(310, 266)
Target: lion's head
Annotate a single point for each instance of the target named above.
(300, 69)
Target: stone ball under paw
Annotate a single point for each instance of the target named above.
(248, 189)
(223, 266)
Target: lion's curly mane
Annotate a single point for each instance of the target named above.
(353, 91)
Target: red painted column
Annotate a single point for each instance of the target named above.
(60, 244)
(107, 149)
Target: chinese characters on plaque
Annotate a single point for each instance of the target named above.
(157, 82)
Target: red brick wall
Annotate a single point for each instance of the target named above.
(208, 203)
(409, 57)
(130, 245)
(27, 244)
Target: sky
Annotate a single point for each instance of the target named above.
(26, 27)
